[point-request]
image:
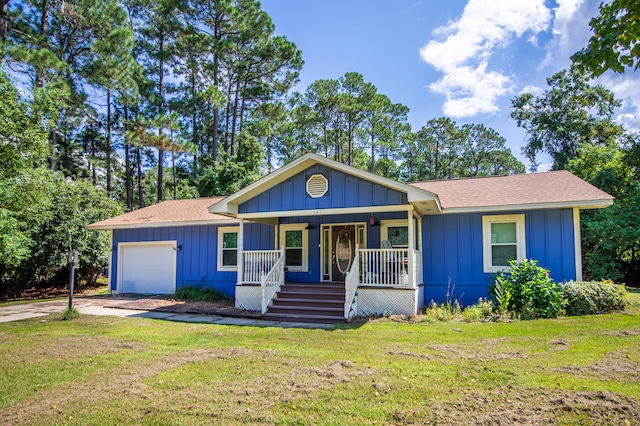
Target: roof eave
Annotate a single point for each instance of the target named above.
(229, 205)
(98, 226)
(581, 204)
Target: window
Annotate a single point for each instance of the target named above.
(396, 232)
(294, 239)
(228, 248)
(503, 240)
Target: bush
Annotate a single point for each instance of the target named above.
(527, 290)
(481, 310)
(207, 294)
(593, 297)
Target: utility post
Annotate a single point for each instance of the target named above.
(73, 261)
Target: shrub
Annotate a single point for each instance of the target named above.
(481, 310)
(527, 290)
(207, 294)
(593, 297)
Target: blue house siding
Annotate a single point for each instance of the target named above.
(196, 263)
(453, 250)
(344, 191)
(314, 222)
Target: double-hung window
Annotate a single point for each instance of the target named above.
(396, 232)
(228, 248)
(503, 240)
(294, 239)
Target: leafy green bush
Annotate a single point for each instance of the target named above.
(479, 311)
(207, 294)
(527, 290)
(593, 297)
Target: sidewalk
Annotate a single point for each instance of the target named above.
(89, 306)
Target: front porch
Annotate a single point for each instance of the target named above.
(378, 281)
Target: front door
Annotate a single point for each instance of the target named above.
(343, 246)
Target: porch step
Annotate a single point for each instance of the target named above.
(302, 302)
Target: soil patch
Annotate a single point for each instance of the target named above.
(613, 366)
(36, 293)
(509, 406)
(224, 308)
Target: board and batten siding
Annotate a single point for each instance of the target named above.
(344, 191)
(314, 223)
(453, 249)
(196, 262)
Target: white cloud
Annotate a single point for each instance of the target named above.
(626, 87)
(570, 30)
(534, 90)
(467, 44)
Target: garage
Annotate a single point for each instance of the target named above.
(148, 268)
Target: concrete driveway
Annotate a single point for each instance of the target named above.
(97, 306)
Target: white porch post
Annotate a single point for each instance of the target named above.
(577, 241)
(241, 251)
(411, 241)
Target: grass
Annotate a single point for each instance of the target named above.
(107, 370)
(633, 294)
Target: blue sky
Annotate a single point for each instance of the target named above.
(465, 59)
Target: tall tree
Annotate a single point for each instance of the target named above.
(569, 114)
(615, 44)
(160, 25)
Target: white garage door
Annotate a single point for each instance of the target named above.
(147, 268)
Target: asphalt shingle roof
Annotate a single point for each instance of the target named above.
(533, 188)
(173, 211)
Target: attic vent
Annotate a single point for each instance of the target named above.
(317, 186)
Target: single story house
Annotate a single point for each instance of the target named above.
(320, 240)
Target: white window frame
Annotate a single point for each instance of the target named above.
(487, 221)
(221, 231)
(395, 223)
(305, 244)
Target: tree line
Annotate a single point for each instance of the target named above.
(118, 104)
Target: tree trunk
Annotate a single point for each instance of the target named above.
(235, 117)
(3, 19)
(44, 32)
(127, 162)
(54, 141)
(373, 152)
(194, 121)
(107, 148)
(140, 193)
(161, 129)
(92, 165)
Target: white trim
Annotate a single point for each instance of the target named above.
(229, 205)
(521, 254)
(577, 241)
(167, 224)
(123, 245)
(305, 244)
(384, 229)
(110, 267)
(592, 204)
(323, 212)
(240, 253)
(329, 226)
(222, 230)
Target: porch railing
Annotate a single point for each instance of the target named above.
(272, 281)
(351, 286)
(258, 263)
(385, 267)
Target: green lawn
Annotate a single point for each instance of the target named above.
(106, 370)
